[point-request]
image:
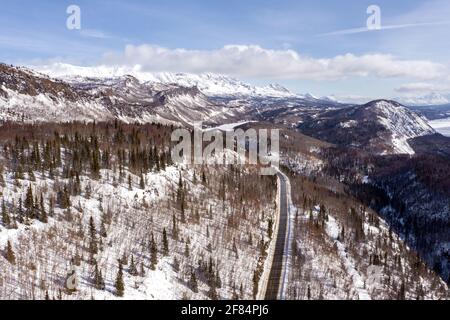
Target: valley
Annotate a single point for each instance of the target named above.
(360, 208)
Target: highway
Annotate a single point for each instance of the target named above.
(277, 275)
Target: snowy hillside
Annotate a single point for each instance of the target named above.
(29, 96)
(341, 248)
(132, 226)
(401, 123)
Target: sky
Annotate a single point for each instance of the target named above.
(321, 47)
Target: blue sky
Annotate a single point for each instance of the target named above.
(34, 32)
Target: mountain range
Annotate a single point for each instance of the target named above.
(369, 184)
(181, 99)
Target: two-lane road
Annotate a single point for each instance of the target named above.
(275, 284)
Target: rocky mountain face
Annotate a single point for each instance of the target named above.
(129, 99)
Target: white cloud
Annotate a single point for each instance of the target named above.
(422, 87)
(253, 61)
(352, 99)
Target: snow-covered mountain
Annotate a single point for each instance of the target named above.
(208, 83)
(130, 99)
(102, 93)
(64, 92)
(220, 85)
(31, 96)
(402, 124)
(381, 126)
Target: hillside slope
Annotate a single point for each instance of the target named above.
(381, 126)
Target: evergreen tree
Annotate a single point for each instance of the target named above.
(10, 256)
(20, 214)
(119, 284)
(92, 229)
(5, 216)
(235, 249)
(193, 282)
(2, 179)
(269, 228)
(402, 292)
(174, 227)
(183, 215)
(142, 271)
(31, 176)
(103, 229)
(165, 243)
(130, 185)
(99, 282)
(212, 292)
(88, 191)
(29, 202)
(203, 177)
(19, 173)
(64, 198)
(124, 259)
(186, 250)
(217, 280)
(43, 214)
(256, 276)
(142, 182)
(153, 254)
(176, 264)
(93, 246)
(132, 269)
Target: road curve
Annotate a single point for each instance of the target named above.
(275, 284)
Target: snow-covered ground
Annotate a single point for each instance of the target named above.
(44, 251)
(351, 254)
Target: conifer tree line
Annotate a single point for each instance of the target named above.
(69, 152)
